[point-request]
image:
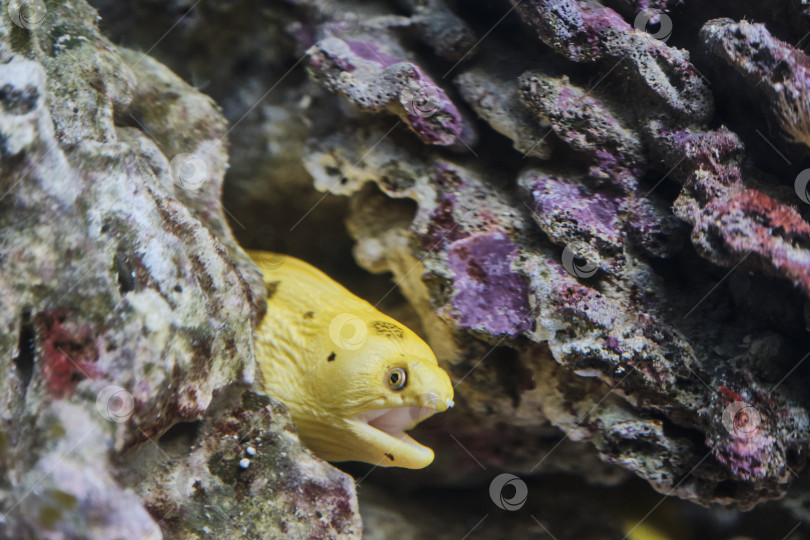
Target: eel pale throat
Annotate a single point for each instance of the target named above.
(354, 379)
(393, 423)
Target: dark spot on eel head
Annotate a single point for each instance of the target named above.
(270, 288)
(331, 357)
(387, 329)
(309, 314)
(390, 456)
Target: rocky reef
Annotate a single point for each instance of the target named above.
(596, 214)
(128, 308)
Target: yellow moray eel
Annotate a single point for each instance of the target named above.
(353, 378)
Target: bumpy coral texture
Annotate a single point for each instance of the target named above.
(128, 306)
(492, 245)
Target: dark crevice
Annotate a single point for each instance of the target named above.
(512, 375)
(180, 437)
(726, 489)
(674, 431)
(126, 275)
(26, 350)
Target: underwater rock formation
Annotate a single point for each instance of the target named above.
(573, 257)
(128, 306)
(242, 468)
(372, 80)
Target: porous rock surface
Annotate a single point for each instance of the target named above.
(581, 254)
(128, 307)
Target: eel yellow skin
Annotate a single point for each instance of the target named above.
(352, 378)
(645, 531)
(664, 522)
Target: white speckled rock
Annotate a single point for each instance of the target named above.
(126, 303)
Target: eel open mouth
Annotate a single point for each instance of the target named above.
(384, 429)
(394, 422)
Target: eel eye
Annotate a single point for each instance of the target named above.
(396, 378)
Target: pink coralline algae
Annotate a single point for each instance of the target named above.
(490, 297)
(68, 351)
(560, 203)
(588, 126)
(744, 442)
(586, 32)
(754, 223)
(351, 67)
(627, 171)
(733, 223)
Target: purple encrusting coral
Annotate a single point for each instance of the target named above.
(493, 269)
(587, 32)
(615, 161)
(730, 220)
(744, 442)
(589, 126)
(351, 68)
(595, 213)
(490, 297)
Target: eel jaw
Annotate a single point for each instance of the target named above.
(384, 430)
